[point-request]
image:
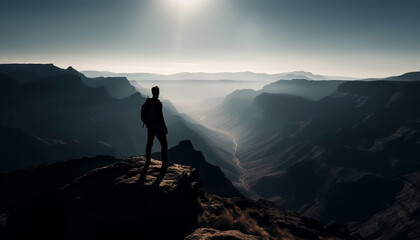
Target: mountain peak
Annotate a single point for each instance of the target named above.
(187, 144)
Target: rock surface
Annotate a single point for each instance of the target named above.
(210, 176)
(258, 218)
(214, 234)
(401, 219)
(134, 199)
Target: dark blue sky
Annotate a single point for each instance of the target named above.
(361, 38)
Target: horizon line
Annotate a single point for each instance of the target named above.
(205, 72)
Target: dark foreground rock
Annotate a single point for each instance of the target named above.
(210, 176)
(213, 234)
(134, 199)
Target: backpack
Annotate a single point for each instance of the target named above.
(147, 113)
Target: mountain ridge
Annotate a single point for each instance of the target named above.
(216, 76)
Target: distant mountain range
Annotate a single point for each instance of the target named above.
(243, 76)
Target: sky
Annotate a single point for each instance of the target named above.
(356, 38)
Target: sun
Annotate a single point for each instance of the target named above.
(186, 4)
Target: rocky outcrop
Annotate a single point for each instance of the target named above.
(260, 218)
(125, 200)
(214, 234)
(132, 198)
(210, 176)
(136, 199)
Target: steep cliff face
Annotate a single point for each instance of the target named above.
(132, 199)
(386, 225)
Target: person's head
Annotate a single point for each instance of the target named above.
(155, 91)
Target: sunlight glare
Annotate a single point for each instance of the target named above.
(186, 4)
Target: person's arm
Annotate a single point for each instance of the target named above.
(162, 119)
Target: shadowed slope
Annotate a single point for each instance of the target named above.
(348, 157)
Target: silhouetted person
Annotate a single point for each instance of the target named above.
(152, 116)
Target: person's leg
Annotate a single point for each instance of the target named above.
(163, 145)
(150, 136)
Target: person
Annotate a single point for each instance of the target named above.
(152, 117)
